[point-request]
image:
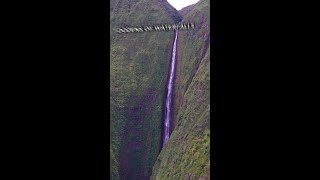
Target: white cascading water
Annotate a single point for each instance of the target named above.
(169, 93)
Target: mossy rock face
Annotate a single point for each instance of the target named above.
(138, 69)
(187, 153)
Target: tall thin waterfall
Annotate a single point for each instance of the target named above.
(168, 107)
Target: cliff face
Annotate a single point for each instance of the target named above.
(187, 153)
(138, 69)
(184, 11)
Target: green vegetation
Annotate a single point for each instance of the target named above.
(187, 153)
(138, 72)
(138, 69)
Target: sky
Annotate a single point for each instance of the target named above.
(179, 4)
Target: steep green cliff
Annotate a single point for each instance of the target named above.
(138, 69)
(187, 153)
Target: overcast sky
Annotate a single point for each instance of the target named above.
(179, 4)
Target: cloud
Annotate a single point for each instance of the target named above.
(179, 4)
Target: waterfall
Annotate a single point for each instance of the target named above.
(168, 104)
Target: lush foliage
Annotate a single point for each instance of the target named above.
(187, 153)
(138, 68)
(138, 72)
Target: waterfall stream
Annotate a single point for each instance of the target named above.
(168, 104)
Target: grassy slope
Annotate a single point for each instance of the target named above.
(138, 68)
(187, 153)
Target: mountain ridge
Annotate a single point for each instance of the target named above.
(138, 69)
(187, 153)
